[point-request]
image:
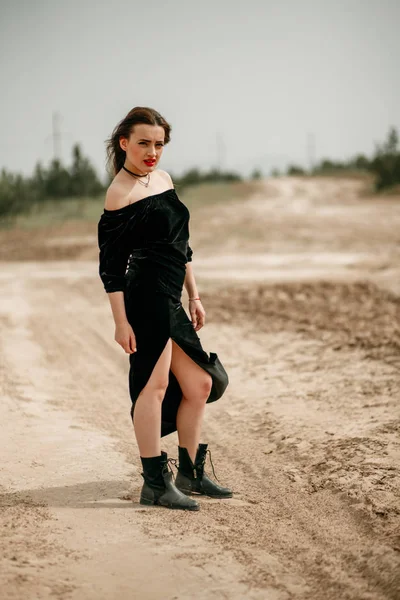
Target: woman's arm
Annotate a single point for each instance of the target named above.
(196, 309)
(190, 282)
(114, 249)
(117, 302)
(197, 312)
(124, 334)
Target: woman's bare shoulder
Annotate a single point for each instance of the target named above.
(166, 176)
(116, 196)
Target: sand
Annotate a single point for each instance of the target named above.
(300, 283)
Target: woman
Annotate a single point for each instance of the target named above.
(144, 261)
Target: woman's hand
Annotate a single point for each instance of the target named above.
(197, 314)
(125, 337)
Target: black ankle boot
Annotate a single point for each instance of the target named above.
(192, 479)
(159, 488)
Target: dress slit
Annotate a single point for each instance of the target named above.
(154, 321)
(142, 367)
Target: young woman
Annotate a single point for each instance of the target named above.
(144, 261)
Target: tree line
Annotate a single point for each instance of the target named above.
(384, 164)
(58, 182)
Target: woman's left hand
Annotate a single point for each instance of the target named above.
(197, 314)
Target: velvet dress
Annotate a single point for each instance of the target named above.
(143, 251)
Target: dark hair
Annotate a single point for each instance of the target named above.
(140, 114)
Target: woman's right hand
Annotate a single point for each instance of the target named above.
(125, 337)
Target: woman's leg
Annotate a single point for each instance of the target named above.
(196, 386)
(147, 412)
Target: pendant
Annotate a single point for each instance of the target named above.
(146, 183)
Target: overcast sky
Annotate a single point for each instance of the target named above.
(243, 84)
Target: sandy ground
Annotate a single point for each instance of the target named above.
(302, 291)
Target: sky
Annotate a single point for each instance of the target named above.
(244, 85)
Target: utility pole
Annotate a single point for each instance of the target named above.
(56, 135)
(311, 151)
(220, 151)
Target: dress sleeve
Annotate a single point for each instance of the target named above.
(114, 251)
(189, 253)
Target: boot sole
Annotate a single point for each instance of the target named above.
(147, 502)
(193, 493)
(219, 497)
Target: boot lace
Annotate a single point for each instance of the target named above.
(212, 466)
(174, 462)
(167, 466)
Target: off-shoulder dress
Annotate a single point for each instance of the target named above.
(143, 251)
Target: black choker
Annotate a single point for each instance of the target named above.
(135, 174)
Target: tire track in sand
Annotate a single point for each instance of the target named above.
(288, 539)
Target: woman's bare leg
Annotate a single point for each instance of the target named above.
(196, 386)
(147, 412)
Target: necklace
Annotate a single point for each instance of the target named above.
(146, 184)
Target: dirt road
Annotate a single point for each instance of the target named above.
(303, 308)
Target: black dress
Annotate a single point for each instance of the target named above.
(143, 252)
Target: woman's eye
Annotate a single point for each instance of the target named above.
(145, 144)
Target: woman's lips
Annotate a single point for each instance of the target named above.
(150, 162)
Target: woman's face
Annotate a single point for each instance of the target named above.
(143, 148)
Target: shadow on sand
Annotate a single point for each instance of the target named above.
(96, 494)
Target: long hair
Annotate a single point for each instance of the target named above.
(140, 114)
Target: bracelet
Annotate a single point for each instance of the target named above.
(194, 299)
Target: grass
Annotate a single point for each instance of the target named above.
(210, 194)
(51, 213)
